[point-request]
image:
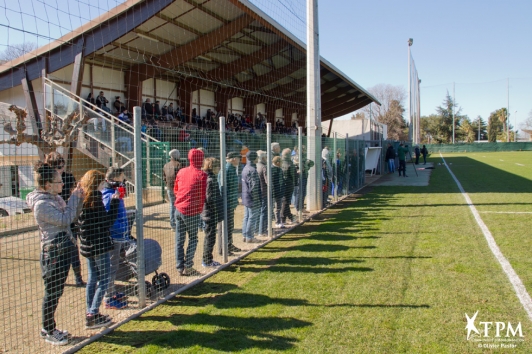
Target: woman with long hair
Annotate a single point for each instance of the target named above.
(95, 238)
(54, 217)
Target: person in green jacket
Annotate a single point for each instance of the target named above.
(401, 153)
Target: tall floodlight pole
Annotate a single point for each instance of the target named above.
(410, 135)
(313, 107)
(454, 101)
(508, 112)
(418, 113)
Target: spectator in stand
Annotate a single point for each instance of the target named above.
(54, 217)
(232, 162)
(102, 102)
(183, 135)
(91, 100)
(118, 105)
(95, 238)
(124, 116)
(171, 111)
(157, 111)
(147, 109)
(212, 210)
(262, 226)
(169, 173)
(95, 121)
(251, 197)
(289, 180)
(115, 180)
(189, 190)
(56, 161)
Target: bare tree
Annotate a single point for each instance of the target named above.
(527, 124)
(391, 110)
(57, 132)
(16, 50)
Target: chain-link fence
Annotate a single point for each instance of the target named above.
(73, 252)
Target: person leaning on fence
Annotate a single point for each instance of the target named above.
(56, 161)
(54, 217)
(251, 197)
(289, 181)
(189, 190)
(424, 152)
(169, 173)
(119, 231)
(390, 158)
(231, 175)
(96, 244)
(401, 153)
(262, 225)
(277, 191)
(212, 210)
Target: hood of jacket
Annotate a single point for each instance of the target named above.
(196, 157)
(38, 195)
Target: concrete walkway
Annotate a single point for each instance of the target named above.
(421, 179)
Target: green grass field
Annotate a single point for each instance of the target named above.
(393, 271)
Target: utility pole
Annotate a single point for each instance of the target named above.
(410, 133)
(454, 100)
(508, 112)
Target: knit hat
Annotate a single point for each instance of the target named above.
(251, 156)
(175, 154)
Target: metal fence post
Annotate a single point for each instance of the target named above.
(223, 179)
(335, 169)
(299, 200)
(148, 164)
(347, 165)
(269, 175)
(113, 141)
(141, 271)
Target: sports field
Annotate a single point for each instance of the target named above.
(392, 270)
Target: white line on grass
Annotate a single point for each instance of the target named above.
(516, 282)
(506, 212)
(519, 164)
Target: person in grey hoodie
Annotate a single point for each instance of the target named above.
(251, 197)
(54, 216)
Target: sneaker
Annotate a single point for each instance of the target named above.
(115, 304)
(252, 240)
(212, 264)
(233, 248)
(44, 333)
(97, 321)
(191, 272)
(56, 337)
(262, 235)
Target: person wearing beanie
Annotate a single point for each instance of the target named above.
(231, 177)
(251, 197)
(169, 172)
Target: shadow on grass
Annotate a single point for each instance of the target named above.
(315, 270)
(311, 261)
(221, 333)
(320, 247)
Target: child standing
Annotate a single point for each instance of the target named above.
(212, 210)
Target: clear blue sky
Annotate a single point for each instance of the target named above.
(476, 44)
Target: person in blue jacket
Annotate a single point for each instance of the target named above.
(114, 179)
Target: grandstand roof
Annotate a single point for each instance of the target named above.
(227, 45)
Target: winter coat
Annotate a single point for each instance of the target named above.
(232, 185)
(190, 185)
(416, 151)
(52, 214)
(250, 186)
(120, 228)
(390, 153)
(263, 177)
(94, 224)
(289, 175)
(213, 207)
(277, 175)
(169, 173)
(401, 151)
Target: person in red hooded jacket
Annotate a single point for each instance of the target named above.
(189, 189)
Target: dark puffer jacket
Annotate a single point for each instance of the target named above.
(213, 207)
(94, 224)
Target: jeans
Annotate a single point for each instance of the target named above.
(114, 258)
(278, 207)
(301, 193)
(263, 219)
(251, 216)
(391, 165)
(185, 224)
(209, 241)
(171, 199)
(54, 275)
(286, 212)
(99, 270)
(424, 159)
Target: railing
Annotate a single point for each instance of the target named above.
(103, 127)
